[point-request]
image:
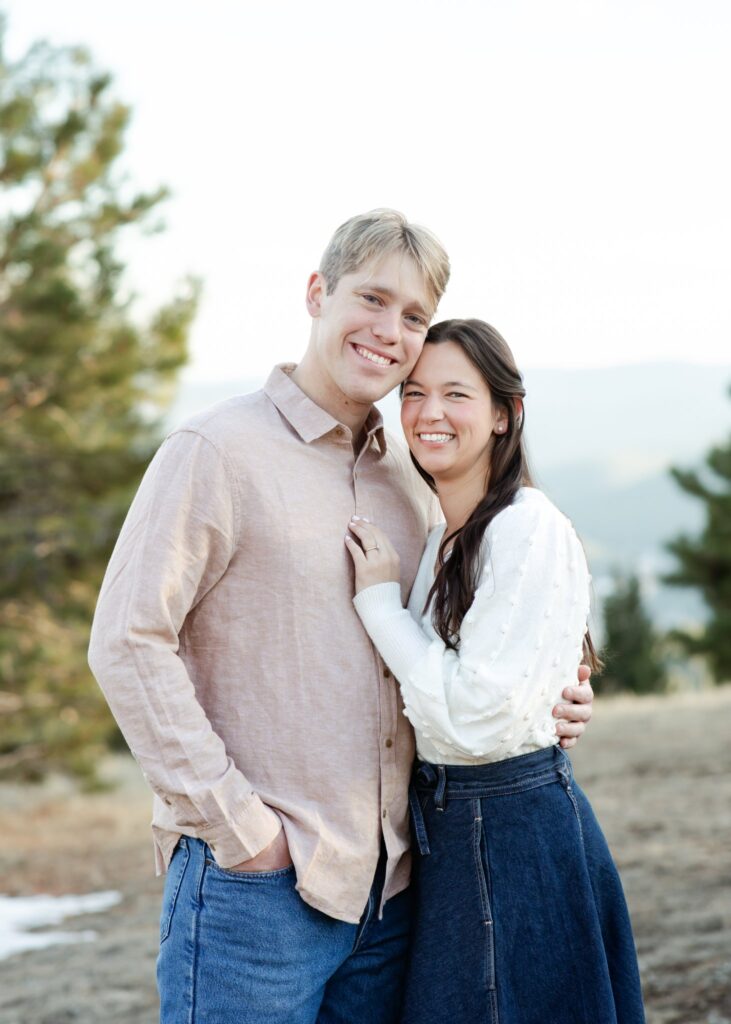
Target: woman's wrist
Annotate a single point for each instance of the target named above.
(378, 601)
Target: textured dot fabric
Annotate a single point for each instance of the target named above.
(520, 641)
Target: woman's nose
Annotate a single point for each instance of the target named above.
(432, 409)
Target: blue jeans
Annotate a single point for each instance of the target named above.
(244, 948)
(519, 914)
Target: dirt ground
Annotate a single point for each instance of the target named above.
(658, 771)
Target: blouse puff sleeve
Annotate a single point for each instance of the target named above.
(521, 639)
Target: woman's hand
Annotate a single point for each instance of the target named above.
(374, 558)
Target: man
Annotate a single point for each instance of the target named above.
(228, 648)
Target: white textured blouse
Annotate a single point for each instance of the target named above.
(520, 640)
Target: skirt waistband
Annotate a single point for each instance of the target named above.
(466, 779)
(442, 782)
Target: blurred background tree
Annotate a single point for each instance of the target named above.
(705, 561)
(632, 660)
(83, 387)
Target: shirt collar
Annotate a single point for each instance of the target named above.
(375, 431)
(309, 419)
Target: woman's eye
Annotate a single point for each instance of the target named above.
(412, 394)
(456, 394)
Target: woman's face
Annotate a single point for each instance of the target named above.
(447, 414)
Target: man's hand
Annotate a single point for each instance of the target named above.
(271, 858)
(574, 716)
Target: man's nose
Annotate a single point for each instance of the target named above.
(388, 328)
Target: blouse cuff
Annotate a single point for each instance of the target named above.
(380, 600)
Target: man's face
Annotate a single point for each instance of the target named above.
(370, 331)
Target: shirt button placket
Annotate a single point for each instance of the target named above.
(389, 711)
(356, 497)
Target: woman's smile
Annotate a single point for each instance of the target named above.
(435, 439)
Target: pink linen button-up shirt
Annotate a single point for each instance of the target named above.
(228, 648)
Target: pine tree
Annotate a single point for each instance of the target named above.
(705, 561)
(631, 661)
(83, 387)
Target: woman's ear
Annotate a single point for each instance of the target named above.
(518, 407)
(501, 420)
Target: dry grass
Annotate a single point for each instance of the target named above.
(658, 771)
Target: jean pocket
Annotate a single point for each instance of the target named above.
(173, 882)
(249, 876)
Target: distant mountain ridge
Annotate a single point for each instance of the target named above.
(600, 443)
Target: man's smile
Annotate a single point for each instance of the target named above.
(372, 356)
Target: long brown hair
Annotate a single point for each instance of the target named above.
(455, 583)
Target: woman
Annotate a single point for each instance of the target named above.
(520, 916)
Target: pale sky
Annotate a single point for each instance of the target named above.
(573, 156)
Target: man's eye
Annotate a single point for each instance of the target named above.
(417, 321)
(371, 298)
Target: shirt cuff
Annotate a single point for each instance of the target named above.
(255, 829)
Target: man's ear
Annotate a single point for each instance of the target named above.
(316, 291)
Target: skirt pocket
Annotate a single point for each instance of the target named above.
(565, 774)
(482, 866)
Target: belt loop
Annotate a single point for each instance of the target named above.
(564, 766)
(441, 790)
(422, 840)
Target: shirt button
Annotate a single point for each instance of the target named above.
(339, 431)
(384, 814)
(389, 742)
(387, 673)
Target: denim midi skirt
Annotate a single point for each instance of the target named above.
(519, 917)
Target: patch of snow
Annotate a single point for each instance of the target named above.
(18, 914)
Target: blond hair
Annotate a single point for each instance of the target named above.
(369, 235)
